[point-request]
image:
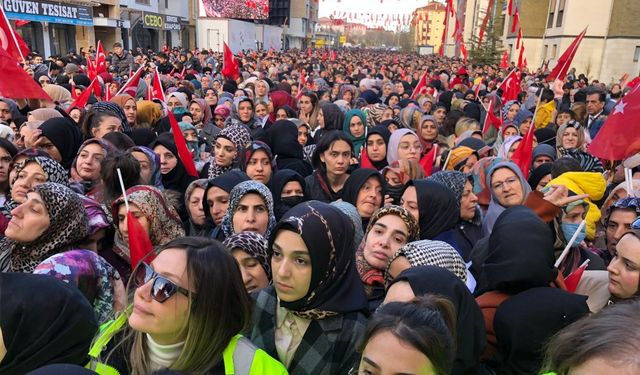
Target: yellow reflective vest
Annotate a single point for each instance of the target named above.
(240, 357)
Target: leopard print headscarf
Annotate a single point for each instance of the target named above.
(253, 244)
(164, 221)
(68, 225)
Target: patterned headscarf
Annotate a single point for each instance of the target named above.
(237, 193)
(164, 221)
(54, 171)
(154, 164)
(93, 275)
(505, 112)
(368, 274)
(112, 109)
(431, 253)
(240, 136)
(454, 180)
(68, 225)
(253, 244)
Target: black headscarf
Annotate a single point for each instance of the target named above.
(520, 253)
(384, 132)
(472, 110)
(282, 137)
(470, 330)
(354, 183)
(177, 179)
(525, 322)
(225, 182)
(328, 234)
(438, 208)
(65, 136)
(333, 116)
(43, 321)
(278, 181)
(538, 173)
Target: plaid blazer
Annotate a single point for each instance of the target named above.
(328, 347)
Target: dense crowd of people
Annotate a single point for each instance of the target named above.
(345, 217)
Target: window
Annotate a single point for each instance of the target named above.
(145, 2)
(552, 12)
(554, 51)
(636, 54)
(546, 51)
(560, 13)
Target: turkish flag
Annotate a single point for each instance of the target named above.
(619, 137)
(564, 61)
(139, 243)
(101, 59)
(9, 39)
(520, 61)
(516, 21)
(491, 119)
(230, 67)
(573, 279)
(504, 63)
(524, 153)
(421, 87)
(81, 101)
(519, 38)
(510, 86)
(510, 7)
(428, 160)
(158, 92)
(133, 82)
(365, 162)
(15, 83)
(181, 145)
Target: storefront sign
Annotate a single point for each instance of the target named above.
(172, 23)
(160, 21)
(48, 11)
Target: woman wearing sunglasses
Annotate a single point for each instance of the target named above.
(169, 324)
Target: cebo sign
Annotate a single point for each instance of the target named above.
(153, 21)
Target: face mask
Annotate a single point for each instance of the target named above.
(568, 229)
(293, 200)
(395, 192)
(195, 151)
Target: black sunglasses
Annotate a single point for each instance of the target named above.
(162, 288)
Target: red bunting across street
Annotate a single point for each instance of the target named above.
(619, 137)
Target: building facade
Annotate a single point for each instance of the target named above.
(56, 27)
(610, 48)
(428, 25)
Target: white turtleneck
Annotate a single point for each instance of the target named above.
(162, 356)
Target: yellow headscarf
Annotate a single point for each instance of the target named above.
(591, 183)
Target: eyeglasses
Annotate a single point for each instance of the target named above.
(501, 185)
(162, 288)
